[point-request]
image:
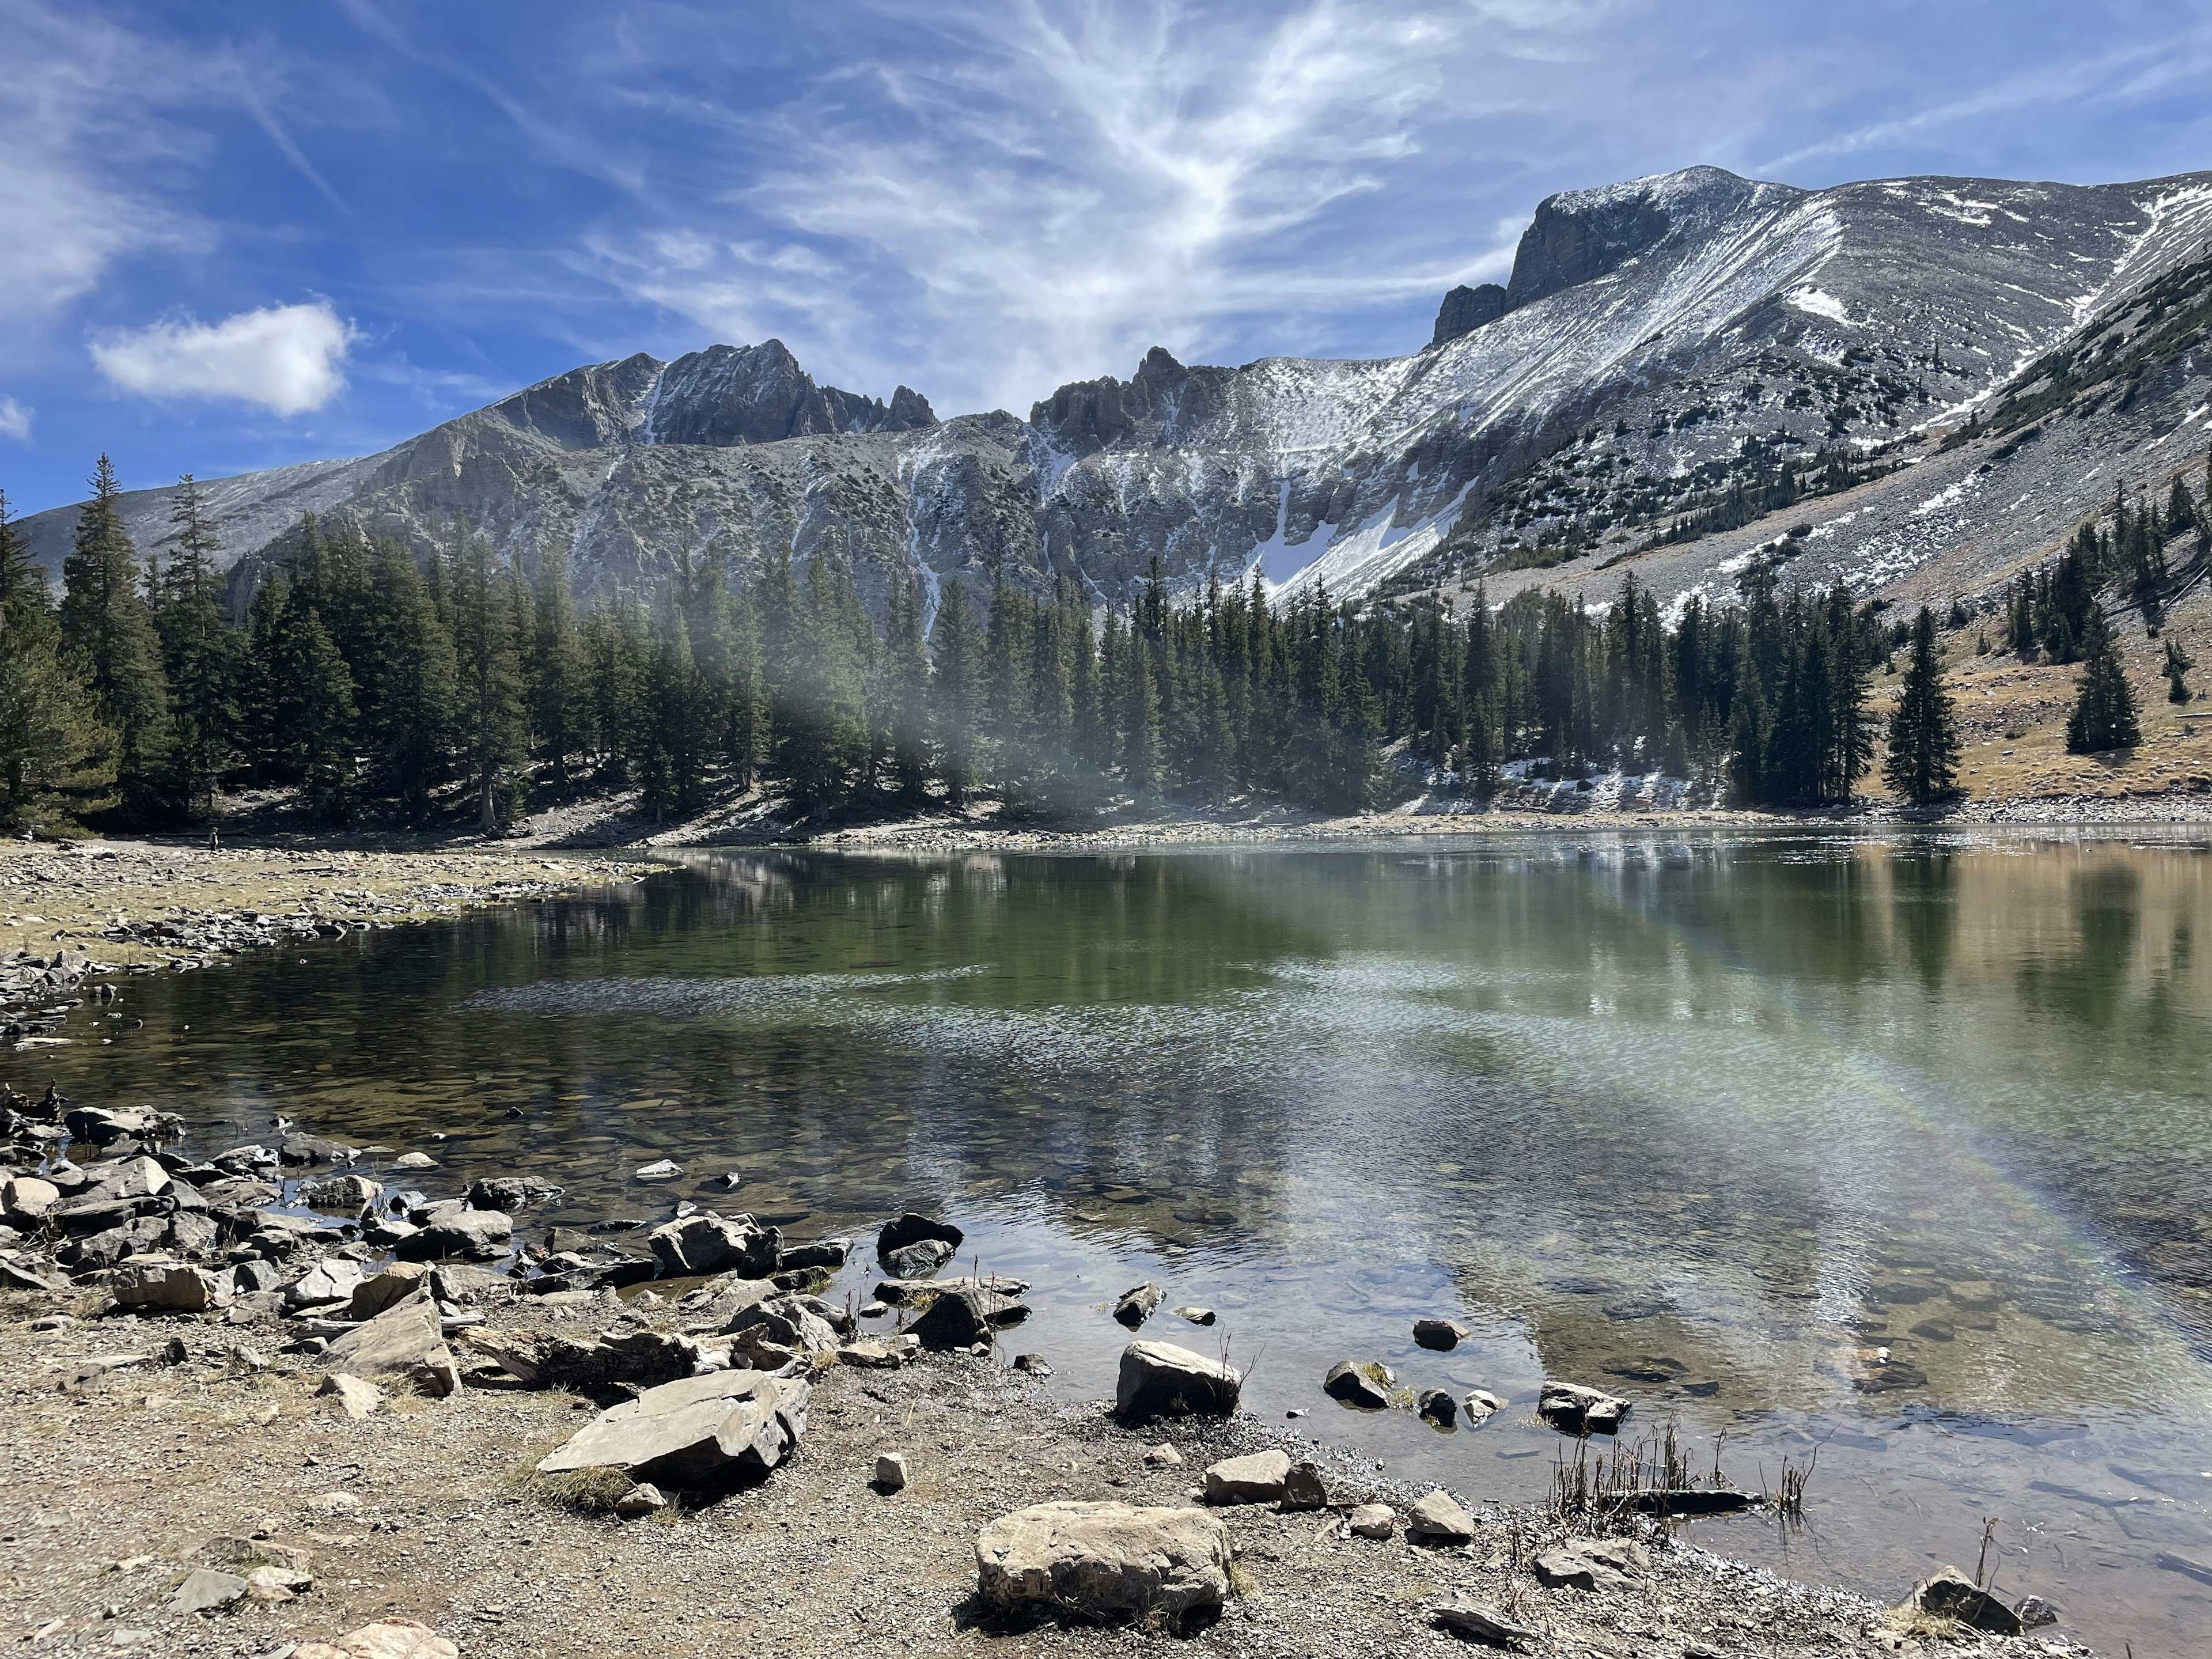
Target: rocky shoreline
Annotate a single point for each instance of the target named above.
(276, 1395)
(73, 913)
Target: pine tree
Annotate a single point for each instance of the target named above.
(2178, 662)
(559, 710)
(407, 687)
(488, 711)
(53, 755)
(956, 687)
(316, 706)
(906, 680)
(108, 635)
(199, 658)
(1923, 761)
(2104, 715)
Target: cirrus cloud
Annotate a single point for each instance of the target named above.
(289, 359)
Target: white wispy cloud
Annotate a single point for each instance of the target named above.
(1048, 192)
(289, 359)
(14, 420)
(84, 129)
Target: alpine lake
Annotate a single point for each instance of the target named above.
(1884, 1153)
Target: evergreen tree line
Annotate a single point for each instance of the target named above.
(2048, 611)
(379, 685)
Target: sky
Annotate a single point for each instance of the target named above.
(235, 236)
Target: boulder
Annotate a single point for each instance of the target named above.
(332, 1280)
(1256, 1479)
(1436, 1519)
(918, 1259)
(641, 1500)
(1592, 1563)
(1158, 1379)
(637, 1359)
(132, 1178)
(913, 1228)
(789, 1322)
(402, 1343)
(890, 1471)
(1135, 1307)
(169, 1287)
(880, 1353)
(1440, 1334)
(1481, 1406)
(715, 1244)
(1472, 1619)
(1438, 1407)
(1573, 1409)
(26, 1200)
(1352, 1385)
(380, 1291)
(269, 1584)
(1946, 1593)
(357, 1399)
(820, 1256)
(345, 1195)
(387, 1639)
(701, 1432)
(205, 1590)
(1376, 1520)
(451, 1229)
(1105, 1560)
(1305, 1487)
(962, 1318)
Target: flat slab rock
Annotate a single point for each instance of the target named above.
(1105, 1560)
(402, 1342)
(700, 1432)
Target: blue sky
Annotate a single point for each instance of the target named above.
(237, 235)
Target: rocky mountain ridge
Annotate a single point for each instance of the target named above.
(1659, 342)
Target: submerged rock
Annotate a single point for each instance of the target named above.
(1573, 1409)
(1440, 1334)
(1135, 1306)
(918, 1259)
(914, 1228)
(1105, 1560)
(1352, 1384)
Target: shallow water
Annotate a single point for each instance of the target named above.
(1711, 1121)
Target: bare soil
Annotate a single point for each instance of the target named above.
(120, 1471)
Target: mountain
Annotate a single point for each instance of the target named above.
(1659, 345)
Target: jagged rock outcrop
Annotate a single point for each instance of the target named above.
(1659, 342)
(1466, 309)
